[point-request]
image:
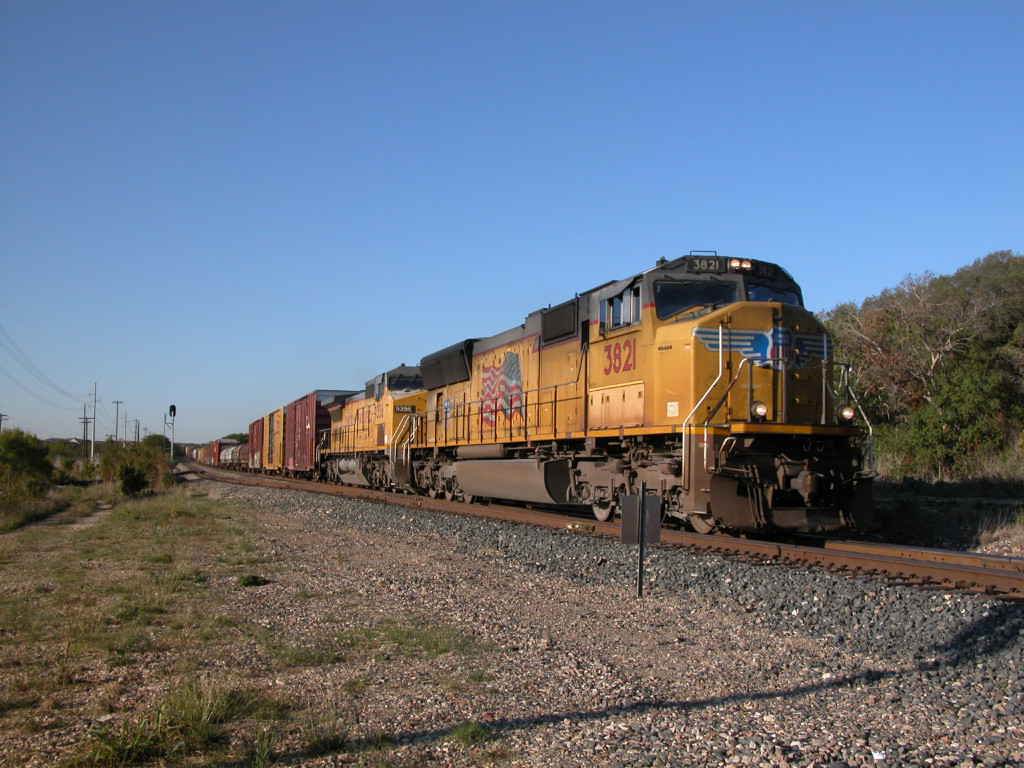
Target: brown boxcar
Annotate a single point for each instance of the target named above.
(255, 462)
(304, 420)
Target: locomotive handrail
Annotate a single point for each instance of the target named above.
(686, 421)
(870, 441)
(466, 413)
(725, 395)
(407, 419)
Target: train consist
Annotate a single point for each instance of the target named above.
(703, 380)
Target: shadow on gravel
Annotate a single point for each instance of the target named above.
(998, 629)
(989, 636)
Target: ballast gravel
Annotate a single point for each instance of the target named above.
(723, 662)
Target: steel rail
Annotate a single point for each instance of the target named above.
(958, 571)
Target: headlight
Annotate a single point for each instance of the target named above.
(758, 410)
(846, 413)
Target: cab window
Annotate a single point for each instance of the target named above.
(621, 310)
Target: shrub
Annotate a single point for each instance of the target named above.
(135, 467)
(133, 480)
(25, 471)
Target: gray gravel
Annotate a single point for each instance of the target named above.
(722, 663)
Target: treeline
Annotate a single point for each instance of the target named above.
(938, 366)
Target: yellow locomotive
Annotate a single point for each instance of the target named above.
(703, 378)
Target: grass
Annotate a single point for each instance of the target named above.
(470, 733)
(17, 513)
(261, 748)
(143, 596)
(190, 719)
(315, 652)
(1005, 526)
(108, 595)
(411, 636)
(252, 580)
(328, 728)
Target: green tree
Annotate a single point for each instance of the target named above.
(970, 416)
(25, 469)
(901, 340)
(938, 362)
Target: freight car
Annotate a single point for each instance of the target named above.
(304, 420)
(703, 379)
(234, 457)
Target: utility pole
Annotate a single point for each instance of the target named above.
(85, 432)
(117, 413)
(92, 449)
(3, 417)
(136, 431)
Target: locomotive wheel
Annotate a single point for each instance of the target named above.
(701, 523)
(603, 511)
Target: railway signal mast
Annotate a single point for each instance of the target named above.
(172, 412)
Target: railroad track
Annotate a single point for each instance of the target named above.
(929, 568)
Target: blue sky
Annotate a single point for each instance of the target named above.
(225, 205)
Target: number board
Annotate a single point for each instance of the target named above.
(707, 264)
(405, 409)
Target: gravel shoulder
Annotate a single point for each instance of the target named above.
(721, 663)
(555, 661)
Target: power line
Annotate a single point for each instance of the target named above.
(38, 397)
(18, 355)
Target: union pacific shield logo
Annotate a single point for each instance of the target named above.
(775, 347)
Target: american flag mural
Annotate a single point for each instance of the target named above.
(501, 389)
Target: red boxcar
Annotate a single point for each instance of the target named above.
(304, 420)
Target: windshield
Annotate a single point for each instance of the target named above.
(405, 382)
(673, 297)
(762, 292)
